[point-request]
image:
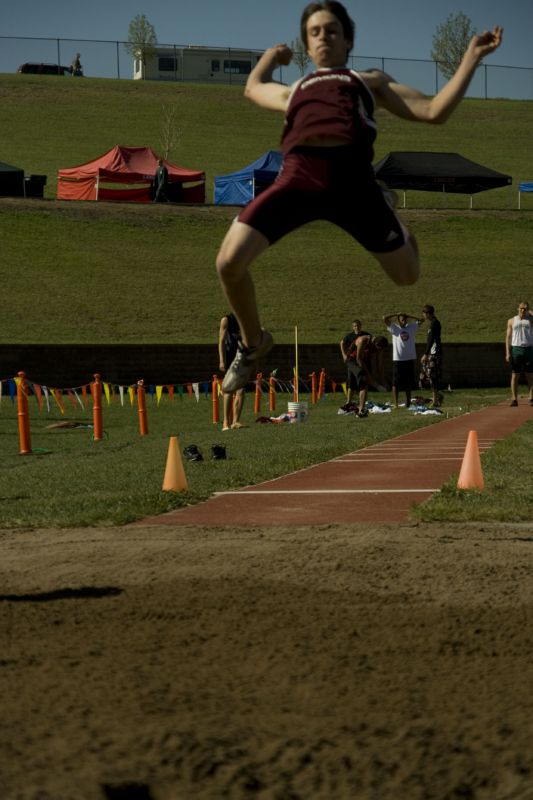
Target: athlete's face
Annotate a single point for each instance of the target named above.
(326, 43)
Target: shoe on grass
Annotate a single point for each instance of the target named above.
(243, 366)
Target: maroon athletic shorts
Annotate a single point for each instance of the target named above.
(331, 184)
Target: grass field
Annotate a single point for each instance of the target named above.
(219, 131)
(82, 272)
(87, 272)
(71, 480)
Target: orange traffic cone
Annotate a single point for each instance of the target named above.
(175, 479)
(471, 475)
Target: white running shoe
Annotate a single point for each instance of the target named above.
(243, 366)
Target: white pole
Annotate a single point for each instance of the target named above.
(296, 362)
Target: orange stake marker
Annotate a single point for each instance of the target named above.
(272, 393)
(257, 403)
(96, 391)
(141, 402)
(322, 383)
(214, 392)
(23, 416)
(313, 388)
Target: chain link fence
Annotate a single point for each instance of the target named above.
(110, 59)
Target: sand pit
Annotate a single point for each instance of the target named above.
(366, 663)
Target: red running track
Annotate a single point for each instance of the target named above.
(377, 484)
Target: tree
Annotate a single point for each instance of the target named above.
(450, 41)
(169, 134)
(299, 55)
(141, 38)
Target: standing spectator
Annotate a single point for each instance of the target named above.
(161, 182)
(76, 68)
(431, 361)
(519, 350)
(228, 339)
(348, 347)
(403, 353)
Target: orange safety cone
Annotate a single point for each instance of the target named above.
(175, 479)
(471, 475)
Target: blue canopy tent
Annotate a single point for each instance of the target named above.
(238, 188)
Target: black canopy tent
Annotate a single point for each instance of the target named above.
(11, 181)
(438, 172)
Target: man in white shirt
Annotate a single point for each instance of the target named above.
(403, 353)
(519, 350)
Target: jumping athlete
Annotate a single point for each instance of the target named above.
(327, 172)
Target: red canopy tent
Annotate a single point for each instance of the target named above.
(96, 180)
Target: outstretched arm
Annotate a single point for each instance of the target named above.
(409, 103)
(260, 88)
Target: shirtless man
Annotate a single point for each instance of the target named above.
(327, 172)
(519, 350)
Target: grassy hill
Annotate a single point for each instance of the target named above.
(48, 123)
(88, 272)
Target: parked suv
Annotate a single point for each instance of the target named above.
(44, 69)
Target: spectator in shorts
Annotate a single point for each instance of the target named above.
(403, 353)
(327, 173)
(431, 361)
(229, 336)
(359, 363)
(348, 347)
(519, 350)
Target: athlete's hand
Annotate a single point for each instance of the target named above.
(283, 54)
(484, 43)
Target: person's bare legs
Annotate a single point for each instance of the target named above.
(529, 378)
(402, 265)
(515, 380)
(238, 402)
(227, 404)
(240, 247)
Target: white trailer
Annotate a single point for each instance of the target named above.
(195, 63)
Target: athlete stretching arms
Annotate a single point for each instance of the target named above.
(327, 172)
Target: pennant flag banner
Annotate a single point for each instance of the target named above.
(82, 395)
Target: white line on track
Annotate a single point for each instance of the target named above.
(342, 460)
(329, 491)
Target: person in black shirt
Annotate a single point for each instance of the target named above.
(431, 361)
(161, 182)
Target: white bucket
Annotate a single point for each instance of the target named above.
(298, 412)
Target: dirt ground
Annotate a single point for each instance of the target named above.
(329, 662)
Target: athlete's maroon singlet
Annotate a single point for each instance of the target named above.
(333, 103)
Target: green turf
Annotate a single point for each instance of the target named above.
(49, 124)
(109, 273)
(87, 272)
(72, 480)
